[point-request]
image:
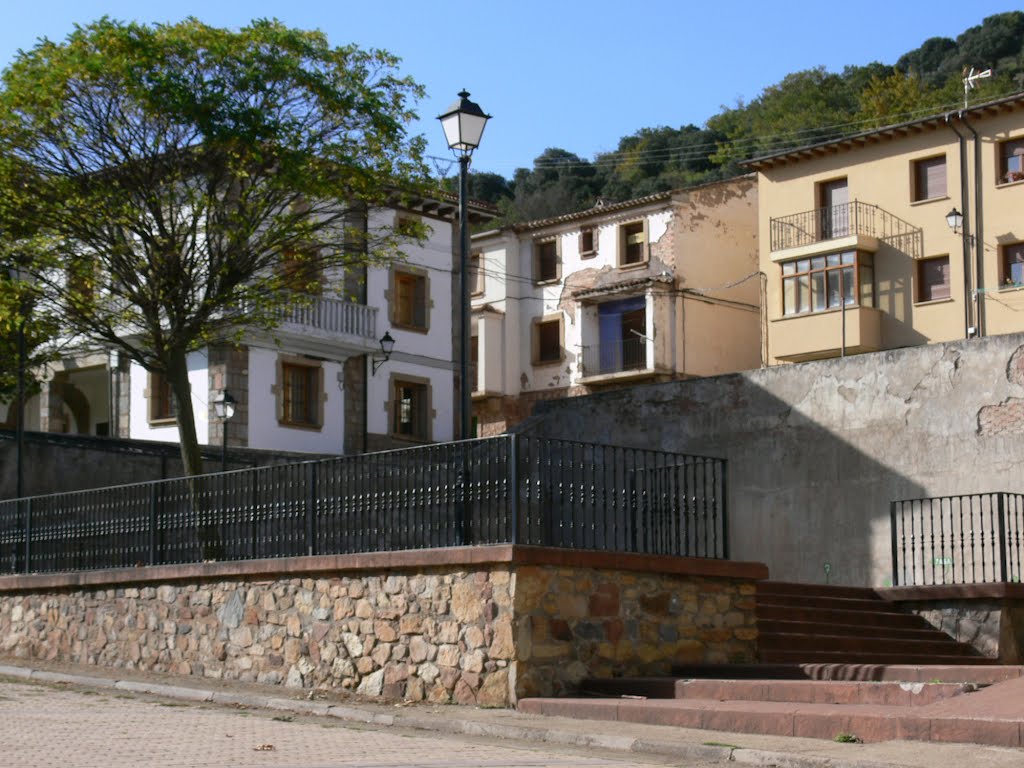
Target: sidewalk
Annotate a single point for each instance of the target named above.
(676, 743)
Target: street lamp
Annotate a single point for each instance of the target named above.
(387, 346)
(955, 220)
(224, 408)
(463, 126)
(19, 275)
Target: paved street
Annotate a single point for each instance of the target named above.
(45, 726)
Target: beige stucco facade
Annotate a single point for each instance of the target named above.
(658, 288)
(917, 280)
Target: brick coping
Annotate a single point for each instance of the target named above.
(325, 565)
(1002, 590)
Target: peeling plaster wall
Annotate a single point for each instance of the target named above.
(818, 450)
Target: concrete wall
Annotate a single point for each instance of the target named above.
(817, 451)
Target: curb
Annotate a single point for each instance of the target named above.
(467, 727)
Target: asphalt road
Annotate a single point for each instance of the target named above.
(54, 726)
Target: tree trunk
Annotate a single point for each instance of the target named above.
(206, 514)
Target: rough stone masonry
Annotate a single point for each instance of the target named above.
(481, 635)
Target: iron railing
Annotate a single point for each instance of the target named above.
(968, 539)
(854, 218)
(615, 356)
(507, 489)
(334, 316)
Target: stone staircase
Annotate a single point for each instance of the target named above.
(833, 661)
(814, 623)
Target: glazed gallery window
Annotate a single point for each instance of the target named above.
(823, 283)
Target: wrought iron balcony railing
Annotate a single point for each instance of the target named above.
(615, 356)
(834, 221)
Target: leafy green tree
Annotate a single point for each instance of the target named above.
(18, 314)
(173, 180)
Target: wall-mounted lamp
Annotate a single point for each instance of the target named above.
(387, 346)
(955, 220)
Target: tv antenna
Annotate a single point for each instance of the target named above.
(971, 79)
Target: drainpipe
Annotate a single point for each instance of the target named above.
(964, 192)
(979, 240)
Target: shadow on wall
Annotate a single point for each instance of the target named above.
(55, 463)
(817, 451)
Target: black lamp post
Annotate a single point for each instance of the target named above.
(19, 276)
(224, 408)
(387, 346)
(463, 126)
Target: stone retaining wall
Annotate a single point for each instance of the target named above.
(479, 625)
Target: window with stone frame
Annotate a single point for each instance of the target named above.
(1012, 262)
(476, 274)
(410, 409)
(162, 406)
(300, 394)
(409, 300)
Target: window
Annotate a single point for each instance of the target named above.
(410, 406)
(545, 261)
(827, 282)
(474, 362)
(162, 407)
(300, 394)
(632, 244)
(834, 202)
(300, 271)
(476, 274)
(408, 225)
(547, 340)
(409, 300)
(929, 178)
(1013, 264)
(1011, 161)
(933, 279)
(587, 245)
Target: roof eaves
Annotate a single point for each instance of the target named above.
(887, 131)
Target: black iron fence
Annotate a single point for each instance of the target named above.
(507, 489)
(967, 539)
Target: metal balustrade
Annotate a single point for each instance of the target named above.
(968, 539)
(616, 356)
(507, 489)
(854, 218)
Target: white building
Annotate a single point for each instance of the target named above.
(318, 382)
(666, 286)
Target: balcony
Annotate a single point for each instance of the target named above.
(615, 360)
(818, 335)
(327, 326)
(854, 226)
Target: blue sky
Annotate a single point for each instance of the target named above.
(569, 74)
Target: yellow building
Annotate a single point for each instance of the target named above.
(861, 246)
